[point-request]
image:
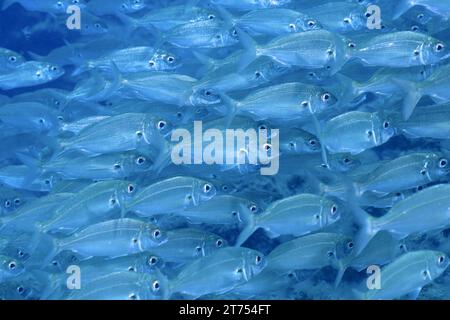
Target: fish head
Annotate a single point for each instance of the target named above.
(437, 165)
(10, 266)
(49, 72)
(323, 100)
(355, 21)
(245, 212)
(225, 37)
(254, 262)
(433, 51)
(11, 59)
(125, 193)
(203, 191)
(344, 250)
(437, 264)
(164, 61)
(304, 23)
(136, 162)
(331, 211)
(155, 129)
(151, 236)
(384, 128)
(131, 6)
(211, 243)
(263, 70)
(204, 97)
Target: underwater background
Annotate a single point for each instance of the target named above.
(118, 179)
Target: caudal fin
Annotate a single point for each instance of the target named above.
(250, 48)
(401, 8)
(248, 230)
(412, 95)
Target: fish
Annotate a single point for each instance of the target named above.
(29, 74)
(367, 130)
(313, 251)
(408, 274)
(10, 268)
(406, 216)
(296, 215)
(10, 60)
(171, 195)
(218, 273)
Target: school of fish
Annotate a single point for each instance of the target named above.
(92, 205)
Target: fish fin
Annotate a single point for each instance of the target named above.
(35, 56)
(413, 295)
(250, 46)
(412, 96)
(248, 230)
(358, 295)
(226, 16)
(208, 62)
(340, 274)
(7, 4)
(231, 105)
(366, 231)
(401, 8)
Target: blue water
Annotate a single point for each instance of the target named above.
(323, 154)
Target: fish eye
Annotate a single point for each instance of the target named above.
(326, 97)
(267, 147)
(20, 289)
(117, 166)
(46, 181)
(317, 217)
(253, 208)
(155, 285)
(151, 63)
(305, 104)
(425, 274)
(330, 254)
(12, 59)
(423, 172)
(420, 16)
(132, 296)
(208, 93)
(41, 121)
(20, 253)
(12, 265)
(292, 26)
(262, 127)
(351, 45)
(130, 188)
(416, 52)
(157, 234)
(333, 209)
(402, 247)
(419, 188)
(439, 47)
(152, 260)
(57, 103)
(207, 188)
(441, 260)
(140, 160)
(219, 243)
(330, 52)
(311, 23)
(414, 28)
(7, 204)
(347, 20)
(97, 25)
(161, 125)
(234, 32)
(257, 74)
(59, 4)
(170, 59)
(312, 142)
(350, 245)
(386, 124)
(292, 145)
(211, 17)
(131, 269)
(218, 36)
(38, 74)
(443, 163)
(370, 133)
(258, 260)
(139, 134)
(198, 249)
(112, 201)
(53, 68)
(17, 201)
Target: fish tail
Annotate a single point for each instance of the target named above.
(412, 96)
(208, 62)
(366, 231)
(250, 46)
(231, 105)
(84, 67)
(401, 8)
(248, 230)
